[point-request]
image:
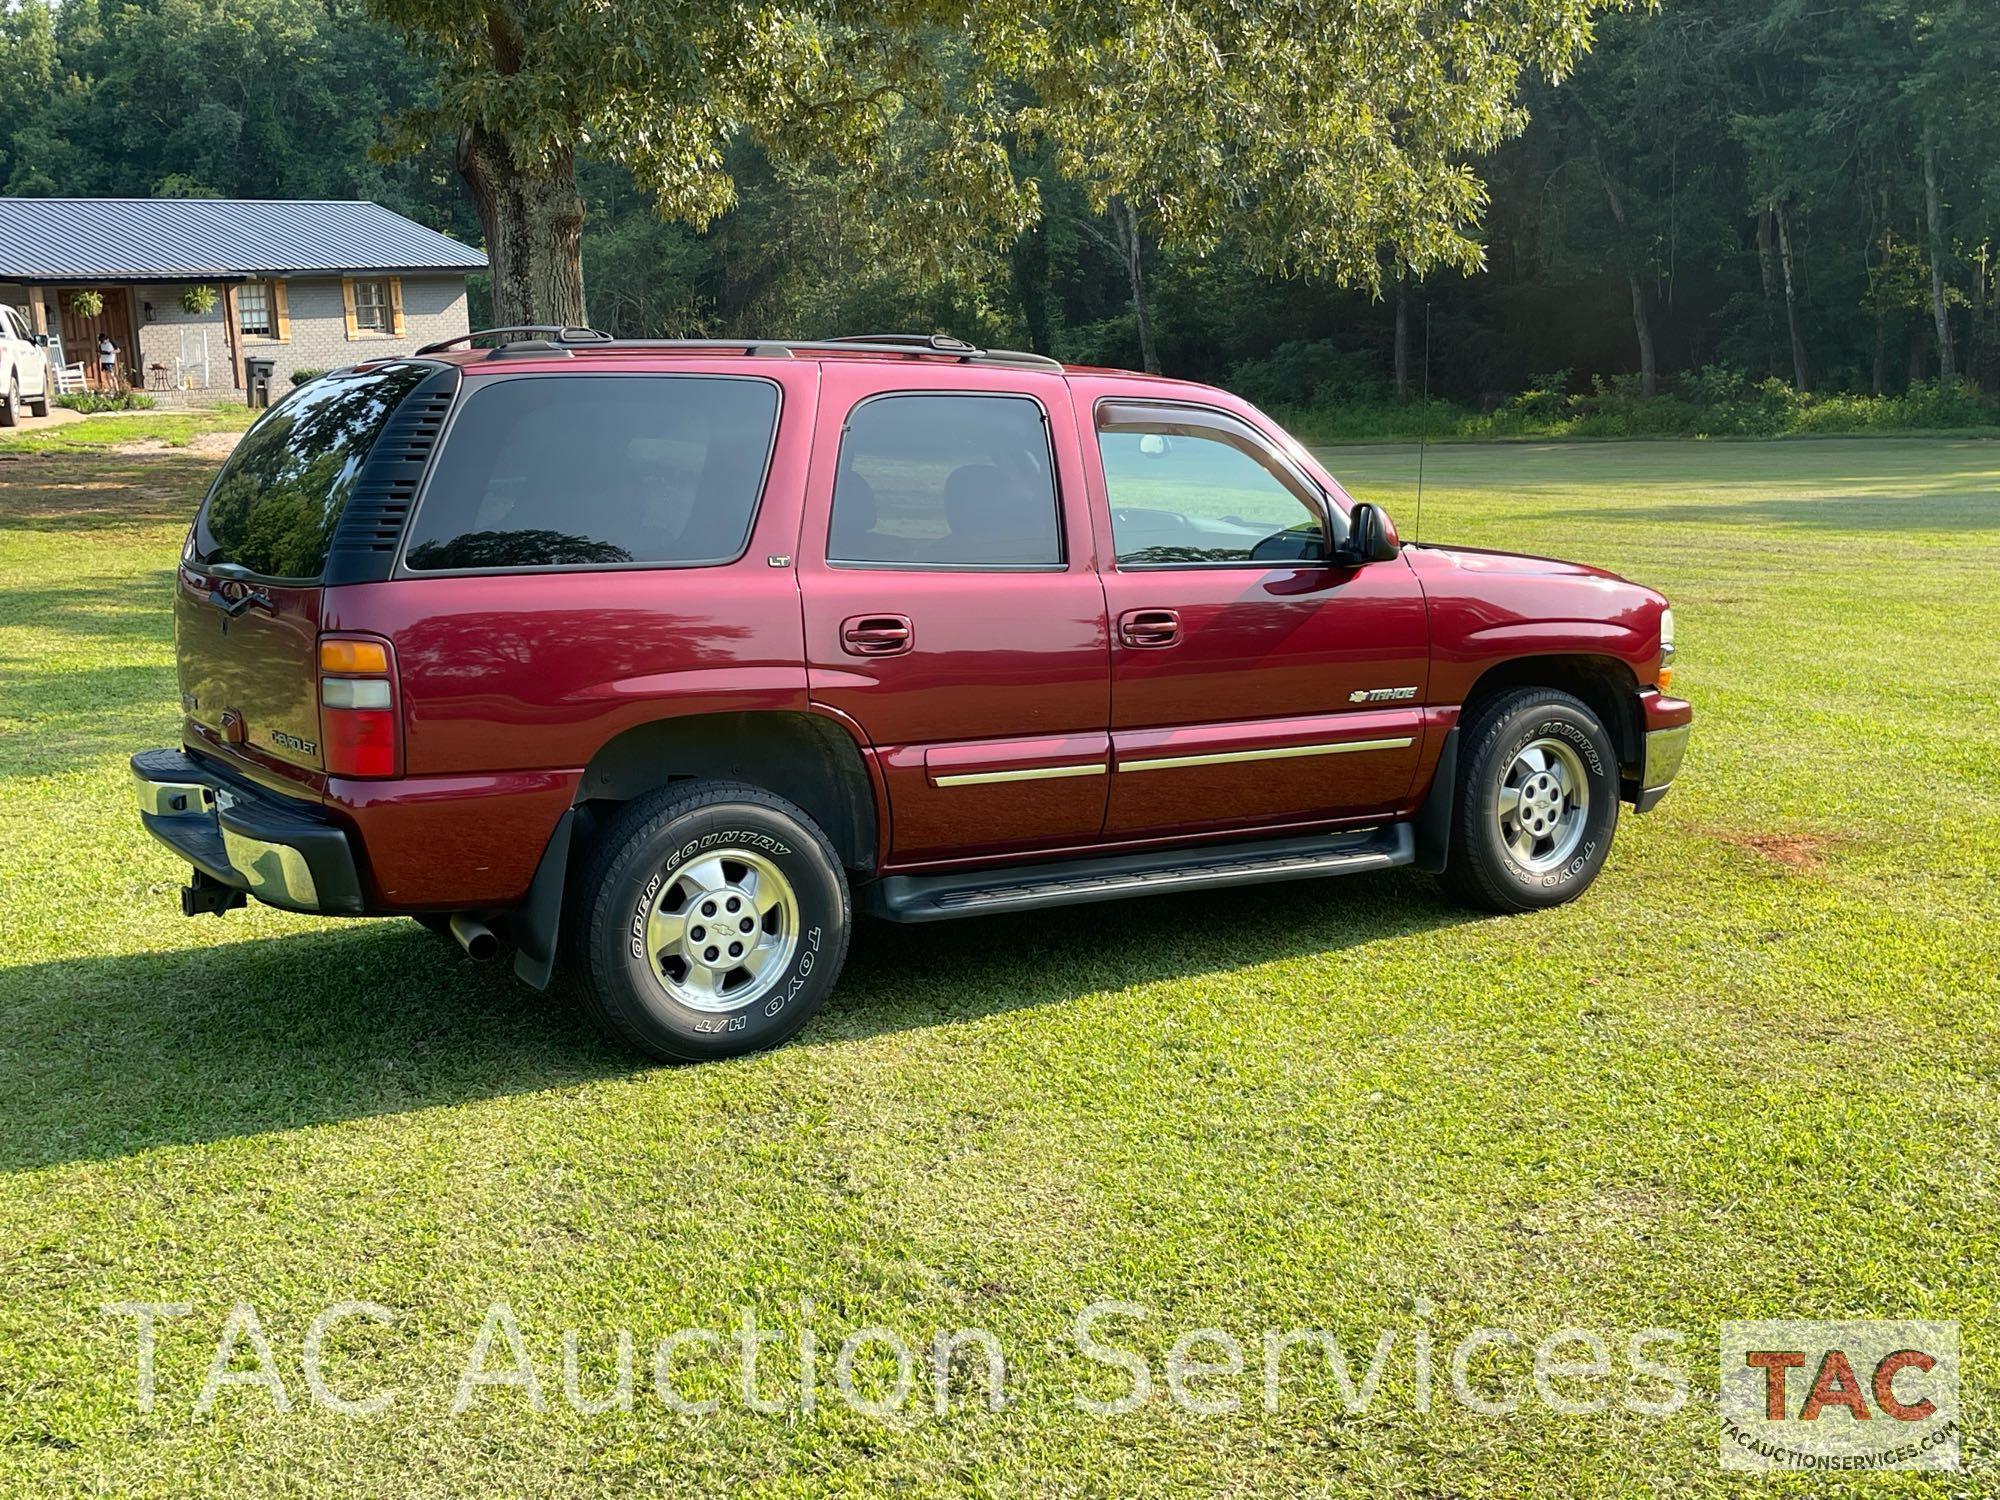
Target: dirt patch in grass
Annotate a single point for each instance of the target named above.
(1797, 851)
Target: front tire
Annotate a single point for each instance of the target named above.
(10, 404)
(1536, 805)
(713, 921)
(39, 407)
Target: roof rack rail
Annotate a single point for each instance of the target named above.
(935, 343)
(550, 338)
(562, 333)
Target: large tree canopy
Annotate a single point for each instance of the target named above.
(1321, 138)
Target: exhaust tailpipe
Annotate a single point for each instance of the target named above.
(474, 936)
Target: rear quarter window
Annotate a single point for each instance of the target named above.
(579, 471)
(273, 508)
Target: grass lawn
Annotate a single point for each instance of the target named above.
(171, 429)
(1752, 1074)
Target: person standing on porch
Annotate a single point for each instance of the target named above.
(107, 362)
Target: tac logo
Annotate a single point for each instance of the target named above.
(1860, 1395)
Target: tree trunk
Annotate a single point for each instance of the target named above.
(1030, 266)
(1801, 377)
(1135, 270)
(1649, 370)
(1402, 338)
(534, 231)
(1934, 222)
(1766, 254)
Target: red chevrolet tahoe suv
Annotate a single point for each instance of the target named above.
(658, 657)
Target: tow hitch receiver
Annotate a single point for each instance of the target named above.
(207, 894)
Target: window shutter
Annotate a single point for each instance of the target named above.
(396, 305)
(347, 297)
(281, 313)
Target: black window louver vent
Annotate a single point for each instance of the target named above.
(371, 527)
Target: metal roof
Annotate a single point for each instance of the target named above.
(171, 239)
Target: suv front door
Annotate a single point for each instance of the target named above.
(1253, 682)
(952, 607)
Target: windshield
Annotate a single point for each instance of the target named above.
(274, 506)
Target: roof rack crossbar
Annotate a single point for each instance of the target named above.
(564, 333)
(935, 343)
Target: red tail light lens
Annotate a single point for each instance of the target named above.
(359, 725)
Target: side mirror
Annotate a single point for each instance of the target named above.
(41, 341)
(1371, 537)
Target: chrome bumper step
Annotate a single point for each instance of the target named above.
(931, 898)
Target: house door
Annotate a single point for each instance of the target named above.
(80, 334)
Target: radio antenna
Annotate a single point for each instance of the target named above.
(1423, 424)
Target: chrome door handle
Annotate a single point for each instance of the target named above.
(1149, 628)
(876, 635)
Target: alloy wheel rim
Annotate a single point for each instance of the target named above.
(722, 930)
(1544, 804)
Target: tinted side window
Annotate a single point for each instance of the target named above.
(275, 503)
(946, 481)
(583, 470)
(1192, 498)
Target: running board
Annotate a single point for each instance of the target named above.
(968, 893)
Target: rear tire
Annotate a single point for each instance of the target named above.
(1536, 805)
(39, 407)
(712, 921)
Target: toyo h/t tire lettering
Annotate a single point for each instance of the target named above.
(658, 975)
(1537, 803)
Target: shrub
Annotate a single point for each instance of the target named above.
(300, 377)
(1317, 373)
(92, 402)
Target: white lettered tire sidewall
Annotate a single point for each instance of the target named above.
(1520, 720)
(639, 855)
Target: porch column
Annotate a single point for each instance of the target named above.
(38, 312)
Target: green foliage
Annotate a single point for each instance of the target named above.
(1714, 402)
(300, 377)
(198, 299)
(1319, 373)
(87, 303)
(1313, 139)
(834, 209)
(92, 402)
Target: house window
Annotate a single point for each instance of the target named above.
(371, 306)
(253, 310)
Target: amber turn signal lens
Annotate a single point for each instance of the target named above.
(1666, 678)
(353, 656)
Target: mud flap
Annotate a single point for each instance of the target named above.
(537, 924)
(1433, 820)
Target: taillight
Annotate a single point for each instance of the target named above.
(357, 707)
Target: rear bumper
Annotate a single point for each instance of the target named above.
(283, 851)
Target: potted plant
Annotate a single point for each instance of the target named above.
(86, 304)
(198, 299)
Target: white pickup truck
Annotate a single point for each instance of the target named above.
(25, 375)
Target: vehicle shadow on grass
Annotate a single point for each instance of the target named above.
(102, 1058)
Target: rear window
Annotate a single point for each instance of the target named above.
(275, 504)
(597, 471)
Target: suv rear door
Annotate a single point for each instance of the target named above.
(952, 609)
(247, 600)
(1254, 684)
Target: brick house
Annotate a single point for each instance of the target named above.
(189, 287)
